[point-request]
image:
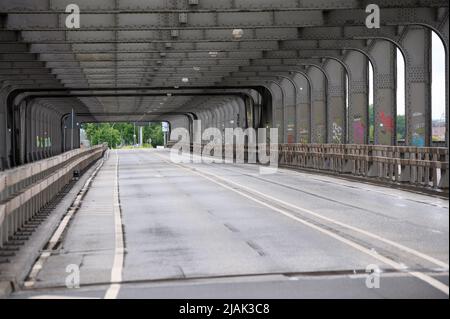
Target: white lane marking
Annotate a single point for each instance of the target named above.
(443, 203)
(341, 224)
(39, 264)
(116, 271)
(428, 279)
(59, 297)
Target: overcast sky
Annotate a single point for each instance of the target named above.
(438, 80)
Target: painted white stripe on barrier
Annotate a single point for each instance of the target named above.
(116, 271)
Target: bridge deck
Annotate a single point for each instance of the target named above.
(185, 226)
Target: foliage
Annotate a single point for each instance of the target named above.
(155, 133)
(121, 134)
(102, 133)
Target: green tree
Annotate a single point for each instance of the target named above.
(102, 133)
(401, 127)
(154, 132)
(126, 131)
(123, 133)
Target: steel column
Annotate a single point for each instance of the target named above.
(383, 58)
(416, 45)
(318, 105)
(336, 107)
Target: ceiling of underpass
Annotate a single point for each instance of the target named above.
(175, 45)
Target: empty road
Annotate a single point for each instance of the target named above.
(151, 228)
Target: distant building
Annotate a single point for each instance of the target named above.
(438, 130)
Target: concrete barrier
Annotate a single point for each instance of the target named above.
(26, 189)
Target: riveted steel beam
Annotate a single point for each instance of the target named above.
(215, 20)
(358, 83)
(416, 44)
(383, 58)
(336, 106)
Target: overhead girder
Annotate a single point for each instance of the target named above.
(430, 17)
(217, 79)
(110, 6)
(273, 17)
(363, 29)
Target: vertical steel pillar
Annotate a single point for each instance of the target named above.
(358, 99)
(444, 33)
(3, 130)
(416, 45)
(383, 54)
(278, 110)
(336, 109)
(22, 132)
(72, 121)
(289, 92)
(318, 105)
(303, 108)
(28, 133)
(3, 134)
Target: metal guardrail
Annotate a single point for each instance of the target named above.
(24, 190)
(420, 167)
(416, 166)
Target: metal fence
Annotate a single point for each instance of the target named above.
(417, 166)
(26, 189)
(420, 167)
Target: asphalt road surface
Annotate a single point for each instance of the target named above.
(150, 228)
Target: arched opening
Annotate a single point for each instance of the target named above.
(400, 97)
(124, 134)
(438, 89)
(371, 108)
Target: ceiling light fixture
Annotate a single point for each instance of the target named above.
(237, 34)
(185, 80)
